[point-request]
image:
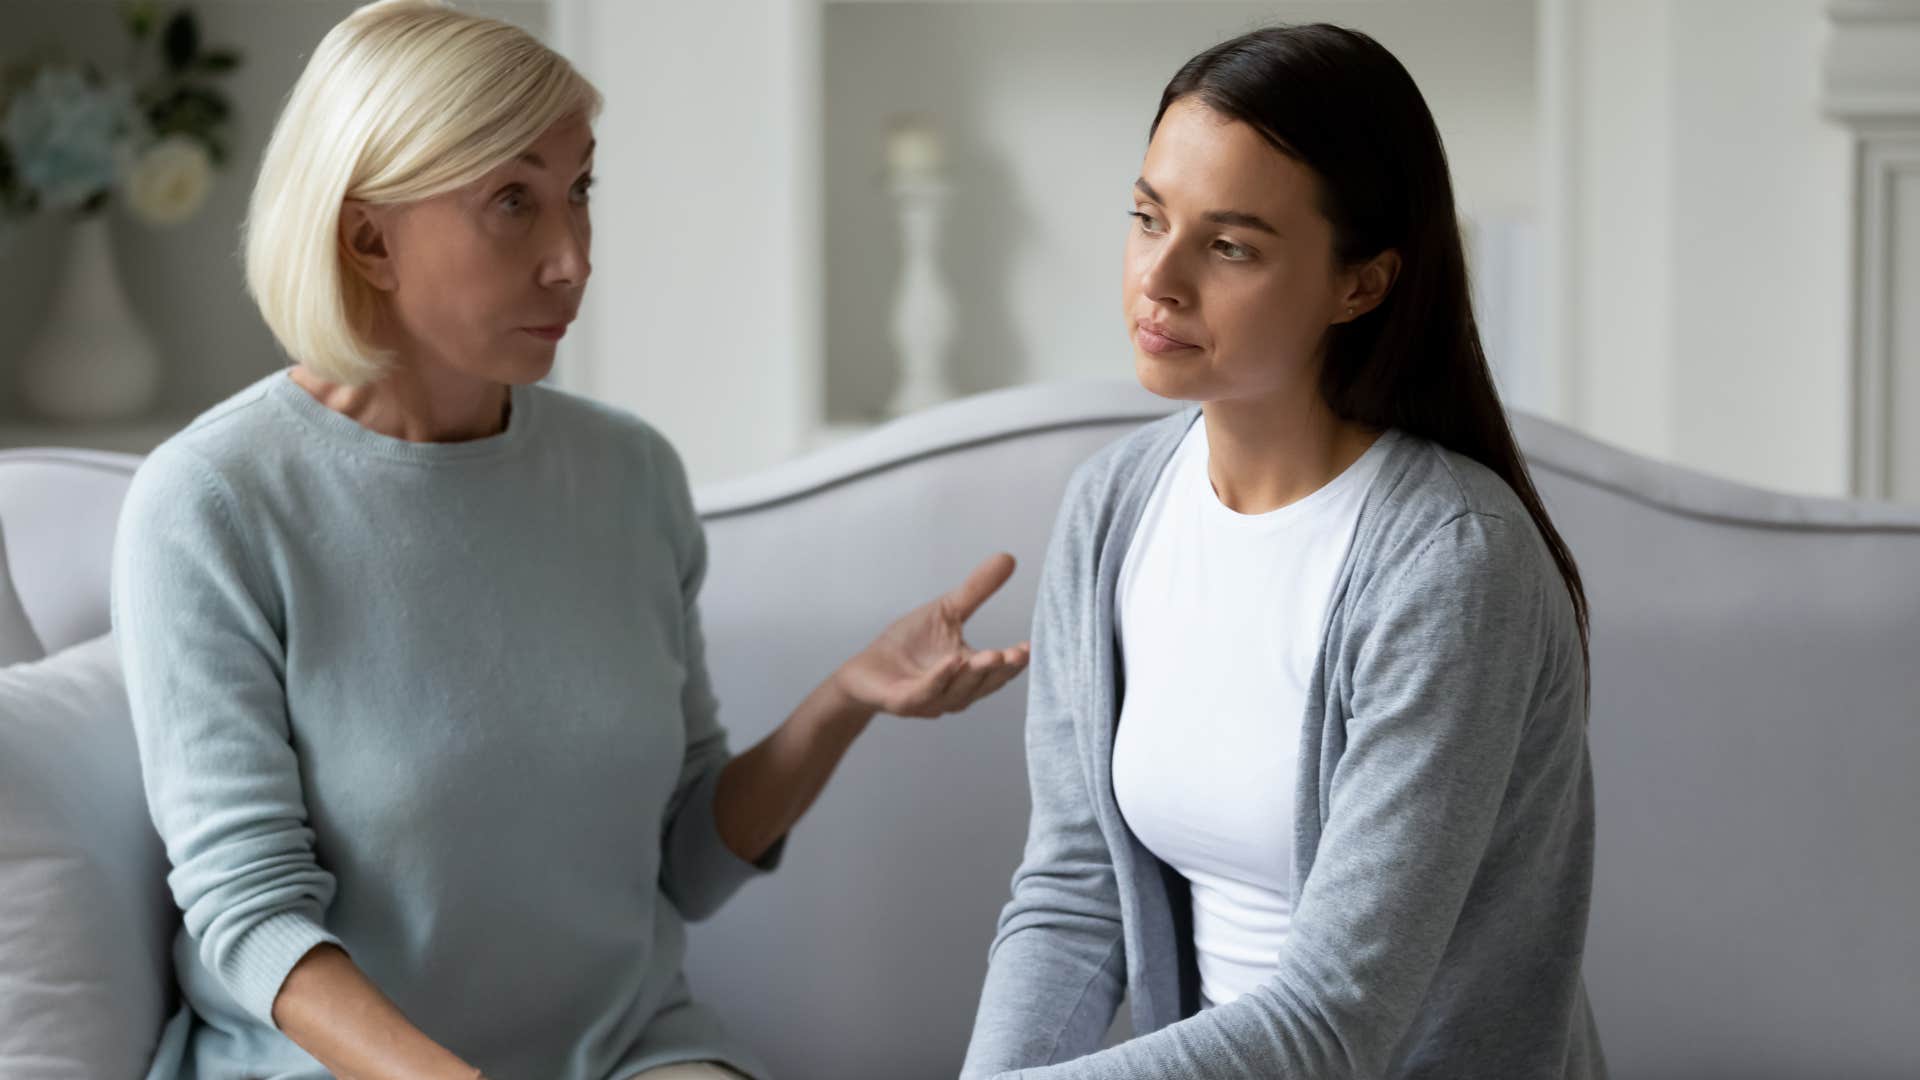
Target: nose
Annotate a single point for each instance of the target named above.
(1163, 276)
(565, 263)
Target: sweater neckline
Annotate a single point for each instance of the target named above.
(1396, 457)
(349, 434)
(1282, 518)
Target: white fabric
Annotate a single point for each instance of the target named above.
(17, 639)
(84, 934)
(1220, 618)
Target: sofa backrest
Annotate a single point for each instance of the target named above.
(1755, 731)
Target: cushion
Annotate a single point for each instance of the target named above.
(86, 924)
(17, 639)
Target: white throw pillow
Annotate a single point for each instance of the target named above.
(18, 642)
(86, 921)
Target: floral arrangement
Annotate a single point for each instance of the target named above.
(72, 136)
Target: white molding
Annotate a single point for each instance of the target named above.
(1882, 160)
(1870, 81)
(1872, 69)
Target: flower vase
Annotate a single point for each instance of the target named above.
(92, 359)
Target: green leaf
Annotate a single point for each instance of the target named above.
(140, 16)
(181, 39)
(217, 61)
(189, 110)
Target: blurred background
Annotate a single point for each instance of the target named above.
(1694, 224)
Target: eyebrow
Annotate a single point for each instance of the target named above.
(539, 162)
(1218, 217)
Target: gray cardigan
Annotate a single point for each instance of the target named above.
(1443, 825)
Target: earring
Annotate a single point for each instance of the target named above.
(1349, 311)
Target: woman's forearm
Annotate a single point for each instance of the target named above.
(765, 790)
(332, 1010)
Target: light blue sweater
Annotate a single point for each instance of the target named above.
(443, 704)
(1443, 814)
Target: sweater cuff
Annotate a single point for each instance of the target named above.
(732, 867)
(706, 870)
(258, 963)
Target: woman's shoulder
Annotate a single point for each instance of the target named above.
(1437, 513)
(601, 427)
(1446, 483)
(1106, 476)
(635, 459)
(235, 427)
(199, 464)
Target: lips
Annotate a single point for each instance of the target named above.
(547, 333)
(1157, 338)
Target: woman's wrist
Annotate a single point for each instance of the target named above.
(836, 703)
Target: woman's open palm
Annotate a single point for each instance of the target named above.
(922, 664)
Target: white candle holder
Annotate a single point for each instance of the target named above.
(923, 309)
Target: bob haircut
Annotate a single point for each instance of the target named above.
(403, 100)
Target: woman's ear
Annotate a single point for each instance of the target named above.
(363, 240)
(1369, 285)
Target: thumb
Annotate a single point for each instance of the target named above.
(985, 580)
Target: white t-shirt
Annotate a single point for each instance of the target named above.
(1219, 616)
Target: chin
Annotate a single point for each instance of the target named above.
(526, 370)
(1177, 380)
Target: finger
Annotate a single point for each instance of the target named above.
(964, 693)
(1007, 664)
(1015, 656)
(985, 580)
(927, 691)
(967, 686)
(998, 680)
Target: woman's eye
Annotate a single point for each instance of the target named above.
(1147, 222)
(582, 190)
(1232, 250)
(513, 200)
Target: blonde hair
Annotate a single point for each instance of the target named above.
(403, 100)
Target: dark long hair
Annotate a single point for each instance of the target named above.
(1339, 103)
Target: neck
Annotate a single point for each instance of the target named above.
(417, 405)
(1268, 452)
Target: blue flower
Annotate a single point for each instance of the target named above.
(63, 132)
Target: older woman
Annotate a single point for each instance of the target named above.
(413, 643)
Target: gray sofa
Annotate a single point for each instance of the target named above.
(1755, 727)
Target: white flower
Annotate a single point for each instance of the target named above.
(169, 181)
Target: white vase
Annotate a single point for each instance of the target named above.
(91, 360)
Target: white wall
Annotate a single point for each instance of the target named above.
(1621, 338)
(1045, 110)
(1761, 219)
(1710, 215)
(1706, 209)
(699, 316)
(1705, 203)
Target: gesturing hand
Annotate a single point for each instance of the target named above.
(923, 666)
